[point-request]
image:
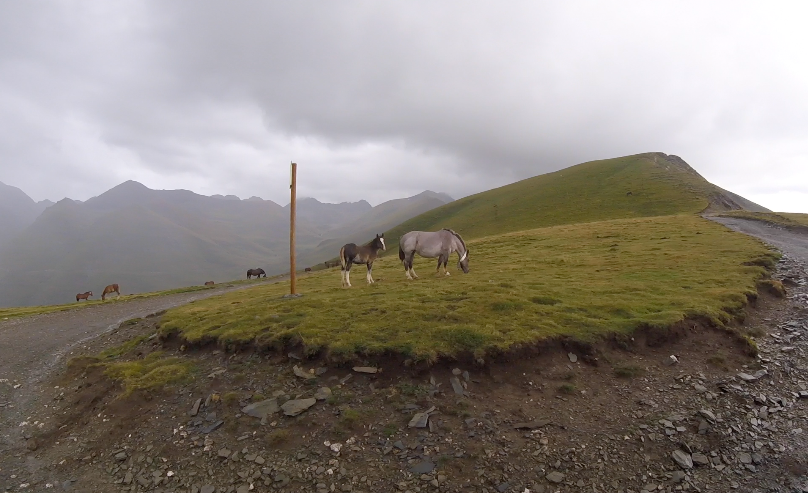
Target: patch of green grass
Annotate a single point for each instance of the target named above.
(412, 390)
(277, 437)
(390, 429)
(718, 361)
(349, 417)
(566, 388)
(118, 351)
(700, 269)
(150, 373)
(230, 398)
(628, 371)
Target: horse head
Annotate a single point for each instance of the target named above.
(463, 263)
(379, 242)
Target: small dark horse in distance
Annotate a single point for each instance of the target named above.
(112, 288)
(84, 296)
(209, 283)
(351, 254)
(433, 244)
(256, 272)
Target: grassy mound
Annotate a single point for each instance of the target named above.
(580, 280)
(643, 185)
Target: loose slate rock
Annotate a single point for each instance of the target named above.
(210, 428)
(683, 459)
(424, 467)
(365, 369)
(420, 420)
(297, 406)
(555, 477)
(457, 386)
(700, 459)
(573, 357)
(207, 489)
(261, 409)
(302, 373)
(195, 408)
(323, 394)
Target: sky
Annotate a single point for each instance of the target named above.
(379, 100)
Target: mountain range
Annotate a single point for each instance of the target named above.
(147, 240)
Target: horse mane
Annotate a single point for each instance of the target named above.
(458, 237)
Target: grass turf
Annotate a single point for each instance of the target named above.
(582, 280)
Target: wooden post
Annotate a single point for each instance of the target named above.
(293, 206)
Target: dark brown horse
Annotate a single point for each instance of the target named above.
(307, 269)
(112, 288)
(84, 296)
(256, 272)
(209, 283)
(351, 254)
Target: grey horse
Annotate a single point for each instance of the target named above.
(432, 244)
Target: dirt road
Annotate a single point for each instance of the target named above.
(32, 347)
(788, 242)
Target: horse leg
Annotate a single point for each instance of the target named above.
(445, 270)
(369, 276)
(346, 274)
(408, 266)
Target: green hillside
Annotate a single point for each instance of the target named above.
(642, 185)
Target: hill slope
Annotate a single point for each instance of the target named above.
(642, 185)
(17, 211)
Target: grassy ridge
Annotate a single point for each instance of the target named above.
(588, 192)
(581, 280)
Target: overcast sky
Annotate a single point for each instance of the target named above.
(378, 100)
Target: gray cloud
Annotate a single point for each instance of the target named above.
(381, 100)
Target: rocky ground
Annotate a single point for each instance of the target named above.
(681, 411)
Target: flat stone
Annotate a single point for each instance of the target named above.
(120, 456)
(745, 458)
(211, 427)
(195, 407)
(708, 415)
(700, 459)
(261, 409)
(683, 459)
(297, 406)
(225, 453)
(424, 467)
(457, 372)
(207, 489)
(503, 487)
(573, 357)
(365, 369)
(420, 420)
(244, 488)
(323, 393)
(746, 377)
(300, 372)
(555, 477)
(457, 386)
(678, 476)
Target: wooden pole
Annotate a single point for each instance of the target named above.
(293, 207)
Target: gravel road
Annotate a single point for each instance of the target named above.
(790, 243)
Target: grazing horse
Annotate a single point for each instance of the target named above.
(351, 254)
(112, 288)
(433, 244)
(84, 296)
(307, 269)
(209, 283)
(256, 272)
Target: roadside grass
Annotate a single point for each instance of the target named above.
(24, 311)
(785, 219)
(582, 280)
(152, 372)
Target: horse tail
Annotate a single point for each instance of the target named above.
(401, 255)
(342, 261)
